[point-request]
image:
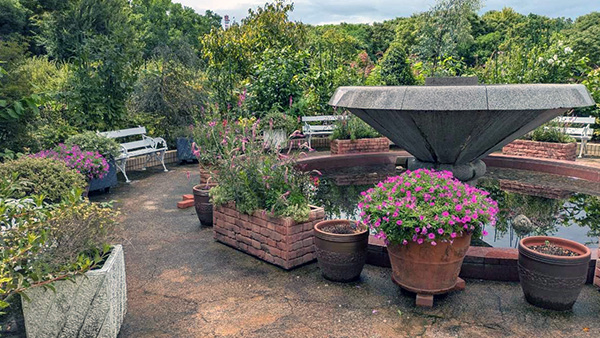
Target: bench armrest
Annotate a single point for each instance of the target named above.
(156, 142)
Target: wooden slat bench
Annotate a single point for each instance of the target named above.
(147, 146)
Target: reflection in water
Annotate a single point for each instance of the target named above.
(525, 210)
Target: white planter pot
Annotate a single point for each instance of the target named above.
(92, 305)
(275, 138)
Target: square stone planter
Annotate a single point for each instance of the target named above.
(363, 145)
(279, 241)
(557, 151)
(184, 149)
(88, 306)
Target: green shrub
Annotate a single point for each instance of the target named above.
(277, 120)
(45, 243)
(549, 134)
(50, 178)
(91, 141)
(353, 128)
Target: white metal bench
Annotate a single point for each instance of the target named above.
(325, 126)
(582, 134)
(148, 146)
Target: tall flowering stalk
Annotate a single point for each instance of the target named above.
(426, 206)
(89, 163)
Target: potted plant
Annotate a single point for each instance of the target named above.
(202, 203)
(90, 141)
(547, 141)
(552, 271)
(427, 219)
(59, 259)
(261, 203)
(276, 126)
(353, 135)
(341, 248)
(90, 164)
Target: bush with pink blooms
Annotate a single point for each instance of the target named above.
(426, 207)
(89, 163)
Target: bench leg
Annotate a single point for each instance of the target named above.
(309, 141)
(148, 157)
(582, 149)
(162, 160)
(121, 165)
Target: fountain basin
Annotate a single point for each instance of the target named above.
(454, 127)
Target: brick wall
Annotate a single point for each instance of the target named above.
(534, 190)
(558, 151)
(279, 241)
(597, 273)
(363, 145)
(137, 163)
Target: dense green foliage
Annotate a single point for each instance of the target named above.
(91, 141)
(352, 128)
(48, 178)
(76, 65)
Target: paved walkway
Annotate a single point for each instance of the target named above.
(183, 284)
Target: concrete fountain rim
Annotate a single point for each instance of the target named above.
(509, 97)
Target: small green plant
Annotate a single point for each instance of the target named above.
(275, 120)
(92, 141)
(352, 128)
(547, 133)
(47, 177)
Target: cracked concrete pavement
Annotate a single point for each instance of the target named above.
(181, 283)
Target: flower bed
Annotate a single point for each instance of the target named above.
(280, 241)
(557, 151)
(363, 145)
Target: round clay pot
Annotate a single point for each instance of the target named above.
(549, 281)
(427, 269)
(204, 208)
(341, 257)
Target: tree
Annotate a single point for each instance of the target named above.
(584, 36)
(445, 30)
(13, 18)
(395, 68)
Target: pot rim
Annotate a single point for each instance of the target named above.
(198, 187)
(524, 242)
(318, 224)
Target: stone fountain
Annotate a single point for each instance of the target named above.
(452, 127)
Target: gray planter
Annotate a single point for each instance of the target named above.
(108, 181)
(92, 305)
(184, 149)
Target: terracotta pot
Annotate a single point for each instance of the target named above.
(204, 209)
(548, 281)
(427, 269)
(341, 257)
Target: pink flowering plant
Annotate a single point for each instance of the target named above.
(426, 207)
(89, 163)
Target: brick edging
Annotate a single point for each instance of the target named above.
(363, 145)
(558, 151)
(137, 163)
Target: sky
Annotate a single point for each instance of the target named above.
(367, 11)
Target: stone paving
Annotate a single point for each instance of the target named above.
(181, 283)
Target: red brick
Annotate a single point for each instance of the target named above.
(272, 243)
(255, 244)
(187, 197)
(308, 242)
(185, 204)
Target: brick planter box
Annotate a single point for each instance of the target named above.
(557, 151)
(363, 145)
(279, 241)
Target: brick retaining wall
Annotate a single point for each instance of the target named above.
(533, 189)
(137, 163)
(558, 151)
(280, 241)
(363, 145)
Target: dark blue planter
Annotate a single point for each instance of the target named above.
(108, 181)
(184, 149)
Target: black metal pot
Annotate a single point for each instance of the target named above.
(341, 257)
(204, 208)
(549, 281)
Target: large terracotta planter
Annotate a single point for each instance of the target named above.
(204, 208)
(363, 145)
(341, 257)
(427, 269)
(557, 151)
(279, 241)
(549, 281)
